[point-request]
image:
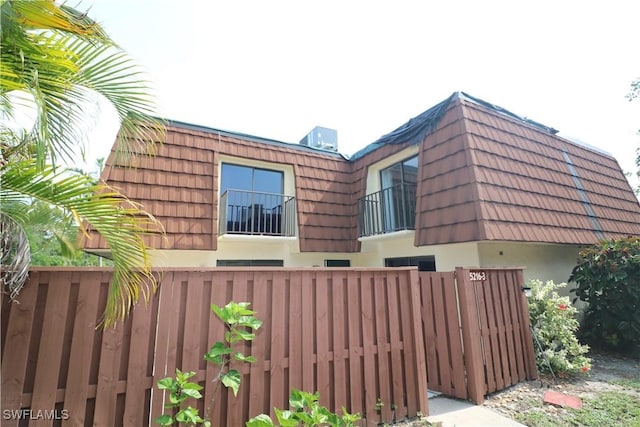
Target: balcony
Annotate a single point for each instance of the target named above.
(388, 210)
(256, 213)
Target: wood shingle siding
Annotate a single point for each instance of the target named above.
(484, 175)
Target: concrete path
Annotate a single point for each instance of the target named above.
(458, 413)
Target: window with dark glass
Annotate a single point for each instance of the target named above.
(337, 263)
(424, 263)
(252, 200)
(398, 183)
(249, 263)
(392, 208)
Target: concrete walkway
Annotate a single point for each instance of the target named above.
(458, 413)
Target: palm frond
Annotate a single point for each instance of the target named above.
(120, 221)
(63, 55)
(47, 15)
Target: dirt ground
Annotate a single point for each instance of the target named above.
(605, 369)
(518, 399)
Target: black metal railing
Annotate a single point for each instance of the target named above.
(257, 213)
(388, 210)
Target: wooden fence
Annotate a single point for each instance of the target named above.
(354, 335)
(477, 331)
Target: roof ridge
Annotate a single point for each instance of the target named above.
(554, 132)
(254, 138)
(499, 109)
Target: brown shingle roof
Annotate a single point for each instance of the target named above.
(179, 187)
(485, 174)
(527, 184)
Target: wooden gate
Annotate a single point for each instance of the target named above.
(477, 331)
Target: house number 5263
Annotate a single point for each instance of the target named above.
(477, 276)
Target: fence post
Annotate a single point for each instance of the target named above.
(418, 342)
(473, 357)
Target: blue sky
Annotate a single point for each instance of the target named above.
(276, 69)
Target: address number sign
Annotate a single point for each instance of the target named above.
(477, 276)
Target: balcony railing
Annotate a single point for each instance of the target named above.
(256, 213)
(388, 210)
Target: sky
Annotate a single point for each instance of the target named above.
(276, 69)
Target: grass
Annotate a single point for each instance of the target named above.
(631, 384)
(608, 409)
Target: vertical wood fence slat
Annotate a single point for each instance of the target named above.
(338, 344)
(14, 362)
(521, 308)
(471, 339)
(295, 331)
(256, 378)
(370, 391)
(191, 351)
(505, 323)
(77, 389)
(215, 406)
(412, 351)
(515, 289)
(418, 346)
(45, 385)
(308, 332)
(442, 347)
(106, 392)
(381, 309)
(457, 376)
(277, 391)
(240, 293)
(166, 323)
(355, 344)
(323, 333)
(525, 321)
(506, 288)
(134, 412)
(397, 375)
(428, 325)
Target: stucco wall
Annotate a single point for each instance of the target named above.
(374, 250)
(248, 248)
(541, 261)
(400, 244)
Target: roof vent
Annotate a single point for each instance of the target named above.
(322, 138)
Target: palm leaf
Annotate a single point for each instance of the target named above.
(120, 221)
(57, 55)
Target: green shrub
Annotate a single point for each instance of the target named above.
(305, 411)
(240, 325)
(608, 279)
(554, 327)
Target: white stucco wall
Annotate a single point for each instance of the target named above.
(541, 261)
(238, 247)
(373, 252)
(400, 244)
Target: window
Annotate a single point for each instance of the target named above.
(252, 201)
(398, 183)
(424, 263)
(236, 177)
(393, 208)
(337, 263)
(250, 263)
